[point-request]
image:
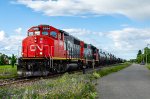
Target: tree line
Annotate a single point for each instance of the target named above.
(143, 55)
(5, 59)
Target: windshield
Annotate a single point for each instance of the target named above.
(53, 34)
(37, 32)
(45, 33)
(30, 33)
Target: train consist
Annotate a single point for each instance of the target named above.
(48, 50)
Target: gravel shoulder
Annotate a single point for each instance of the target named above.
(132, 82)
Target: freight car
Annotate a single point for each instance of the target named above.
(48, 50)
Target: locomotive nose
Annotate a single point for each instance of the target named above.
(37, 46)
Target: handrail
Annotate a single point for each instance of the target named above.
(50, 58)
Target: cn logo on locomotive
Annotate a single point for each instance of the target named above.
(35, 47)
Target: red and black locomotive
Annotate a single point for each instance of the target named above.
(48, 50)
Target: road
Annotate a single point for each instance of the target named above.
(131, 83)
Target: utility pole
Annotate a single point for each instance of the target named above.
(146, 53)
(142, 56)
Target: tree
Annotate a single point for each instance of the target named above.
(133, 60)
(2, 60)
(139, 56)
(142, 57)
(139, 52)
(13, 60)
(147, 54)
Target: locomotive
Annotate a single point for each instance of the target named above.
(47, 50)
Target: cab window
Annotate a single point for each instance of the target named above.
(30, 33)
(37, 32)
(53, 34)
(45, 33)
(61, 36)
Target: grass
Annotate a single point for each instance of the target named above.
(6, 71)
(107, 70)
(68, 86)
(148, 66)
(74, 86)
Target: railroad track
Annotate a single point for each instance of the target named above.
(13, 81)
(10, 81)
(28, 79)
(24, 79)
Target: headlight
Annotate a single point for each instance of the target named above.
(41, 53)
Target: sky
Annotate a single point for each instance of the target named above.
(120, 27)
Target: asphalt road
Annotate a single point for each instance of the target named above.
(131, 83)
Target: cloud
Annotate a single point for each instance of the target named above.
(129, 37)
(2, 35)
(10, 43)
(129, 40)
(85, 35)
(18, 30)
(137, 9)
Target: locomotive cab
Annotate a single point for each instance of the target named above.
(40, 42)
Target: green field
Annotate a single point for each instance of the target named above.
(6, 71)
